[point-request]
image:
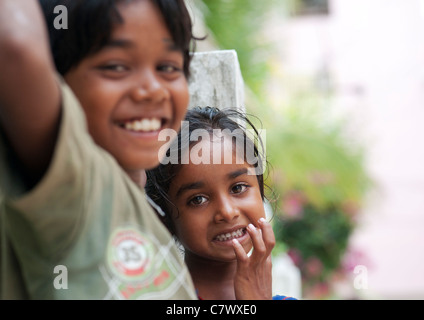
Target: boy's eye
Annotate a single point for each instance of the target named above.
(118, 68)
(239, 188)
(169, 68)
(197, 200)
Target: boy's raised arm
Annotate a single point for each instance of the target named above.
(29, 93)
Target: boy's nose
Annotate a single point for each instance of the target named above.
(226, 211)
(149, 88)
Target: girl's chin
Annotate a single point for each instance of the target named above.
(230, 256)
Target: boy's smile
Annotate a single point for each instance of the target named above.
(133, 87)
(142, 125)
(215, 204)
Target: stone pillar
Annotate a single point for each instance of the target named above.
(216, 80)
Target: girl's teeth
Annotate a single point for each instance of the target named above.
(229, 236)
(144, 125)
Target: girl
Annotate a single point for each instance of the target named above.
(78, 126)
(213, 204)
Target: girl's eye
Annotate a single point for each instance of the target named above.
(197, 200)
(239, 188)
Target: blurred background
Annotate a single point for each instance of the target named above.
(339, 87)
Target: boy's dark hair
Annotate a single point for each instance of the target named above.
(207, 118)
(91, 22)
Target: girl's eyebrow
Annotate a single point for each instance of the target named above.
(235, 174)
(189, 186)
(200, 184)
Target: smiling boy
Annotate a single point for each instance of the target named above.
(71, 177)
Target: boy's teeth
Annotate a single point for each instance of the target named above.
(229, 236)
(143, 125)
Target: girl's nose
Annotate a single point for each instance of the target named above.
(149, 88)
(226, 211)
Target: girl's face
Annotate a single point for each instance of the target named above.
(216, 202)
(133, 88)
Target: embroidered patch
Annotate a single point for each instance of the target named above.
(130, 255)
(141, 267)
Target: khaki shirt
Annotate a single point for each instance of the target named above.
(86, 231)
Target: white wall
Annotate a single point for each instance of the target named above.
(374, 52)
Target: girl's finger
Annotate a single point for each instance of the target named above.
(267, 234)
(241, 255)
(259, 249)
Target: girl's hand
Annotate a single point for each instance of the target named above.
(253, 279)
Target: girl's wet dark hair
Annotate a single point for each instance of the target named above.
(90, 26)
(159, 179)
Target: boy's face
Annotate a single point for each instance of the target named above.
(215, 202)
(133, 87)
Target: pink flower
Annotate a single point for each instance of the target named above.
(351, 208)
(292, 204)
(295, 255)
(313, 267)
(318, 291)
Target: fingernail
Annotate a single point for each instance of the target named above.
(235, 241)
(262, 220)
(251, 227)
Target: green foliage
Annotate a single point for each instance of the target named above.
(318, 240)
(320, 176)
(319, 161)
(238, 25)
